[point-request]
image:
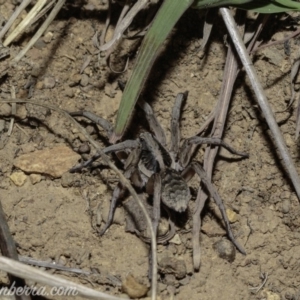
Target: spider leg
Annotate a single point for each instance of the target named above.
(123, 146)
(117, 194)
(196, 167)
(96, 119)
(156, 202)
(131, 164)
(175, 131)
(191, 144)
(154, 125)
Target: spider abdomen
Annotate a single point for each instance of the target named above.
(175, 192)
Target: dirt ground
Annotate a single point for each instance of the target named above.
(55, 218)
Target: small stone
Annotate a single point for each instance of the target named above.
(40, 44)
(163, 227)
(175, 240)
(70, 179)
(69, 92)
(225, 249)
(286, 205)
(172, 265)
(21, 112)
(232, 216)
(170, 280)
(54, 162)
(35, 178)
(5, 110)
(2, 125)
(133, 288)
(84, 148)
(211, 228)
(18, 178)
(84, 80)
(48, 37)
(49, 83)
(272, 296)
(74, 80)
(39, 85)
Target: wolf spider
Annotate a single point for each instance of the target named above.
(154, 166)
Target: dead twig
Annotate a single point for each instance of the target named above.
(262, 99)
(8, 249)
(42, 277)
(123, 25)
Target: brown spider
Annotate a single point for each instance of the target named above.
(152, 165)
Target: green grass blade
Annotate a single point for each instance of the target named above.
(260, 6)
(166, 18)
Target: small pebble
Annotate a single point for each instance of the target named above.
(175, 240)
(5, 110)
(169, 279)
(133, 288)
(84, 80)
(69, 92)
(35, 178)
(49, 82)
(2, 125)
(286, 205)
(84, 148)
(74, 79)
(172, 265)
(225, 250)
(40, 44)
(18, 178)
(163, 227)
(48, 37)
(232, 216)
(21, 112)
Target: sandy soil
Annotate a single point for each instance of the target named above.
(54, 218)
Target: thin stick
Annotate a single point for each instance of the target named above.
(51, 265)
(261, 99)
(139, 5)
(42, 277)
(41, 30)
(122, 178)
(13, 17)
(25, 22)
(8, 249)
(13, 110)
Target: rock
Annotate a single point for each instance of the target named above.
(70, 179)
(74, 79)
(272, 296)
(48, 37)
(133, 288)
(211, 228)
(172, 265)
(35, 178)
(175, 240)
(5, 109)
(18, 178)
(53, 162)
(49, 82)
(232, 216)
(225, 249)
(84, 148)
(286, 205)
(84, 81)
